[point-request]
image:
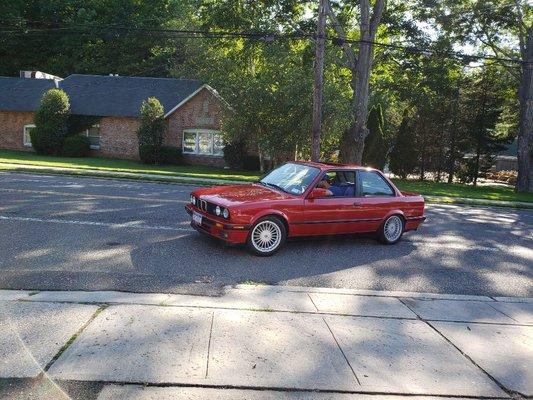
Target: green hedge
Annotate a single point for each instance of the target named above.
(76, 146)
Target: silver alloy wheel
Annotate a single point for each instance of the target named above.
(266, 236)
(393, 228)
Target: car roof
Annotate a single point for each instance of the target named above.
(328, 166)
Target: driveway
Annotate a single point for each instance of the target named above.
(60, 232)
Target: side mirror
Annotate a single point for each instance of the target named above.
(318, 192)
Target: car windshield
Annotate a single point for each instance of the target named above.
(291, 178)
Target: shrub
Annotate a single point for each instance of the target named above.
(172, 155)
(404, 157)
(51, 123)
(251, 163)
(234, 154)
(149, 154)
(376, 146)
(76, 146)
(151, 130)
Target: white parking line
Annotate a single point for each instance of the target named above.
(93, 223)
(95, 196)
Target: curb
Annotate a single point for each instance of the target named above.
(210, 181)
(476, 202)
(162, 299)
(115, 175)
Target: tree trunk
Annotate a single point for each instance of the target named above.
(353, 139)
(318, 87)
(476, 165)
(524, 182)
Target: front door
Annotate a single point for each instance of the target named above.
(335, 213)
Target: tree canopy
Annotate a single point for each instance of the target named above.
(409, 63)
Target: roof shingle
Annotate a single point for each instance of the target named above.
(97, 95)
(22, 94)
(121, 96)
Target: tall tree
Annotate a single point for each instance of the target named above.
(484, 98)
(318, 86)
(359, 61)
(376, 145)
(404, 157)
(504, 27)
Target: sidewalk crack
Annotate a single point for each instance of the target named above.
(501, 312)
(508, 391)
(310, 298)
(342, 351)
(74, 337)
(209, 344)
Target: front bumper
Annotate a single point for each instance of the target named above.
(229, 233)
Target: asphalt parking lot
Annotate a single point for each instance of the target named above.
(67, 233)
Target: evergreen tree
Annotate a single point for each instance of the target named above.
(51, 123)
(404, 157)
(376, 146)
(151, 130)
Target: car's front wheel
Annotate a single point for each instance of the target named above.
(392, 229)
(267, 236)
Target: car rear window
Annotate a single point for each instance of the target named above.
(373, 184)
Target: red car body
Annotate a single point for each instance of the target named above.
(303, 214)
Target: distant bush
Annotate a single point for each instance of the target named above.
(234, 154)
(51, 123)
(76, 146)
(151, 130)
(172, 155)
(251, 163)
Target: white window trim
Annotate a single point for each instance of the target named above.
(196, 151)
(26, 144)
(86, 133)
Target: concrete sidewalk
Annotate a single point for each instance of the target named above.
(264, 342)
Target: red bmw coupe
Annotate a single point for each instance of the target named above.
(305, 199)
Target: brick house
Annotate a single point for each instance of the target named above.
(193, 113)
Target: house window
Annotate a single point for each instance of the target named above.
(93, 133)
(203, 142)
(26, 139)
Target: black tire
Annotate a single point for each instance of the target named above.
(391, 230)
(266, 224)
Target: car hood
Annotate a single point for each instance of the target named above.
(240, 194)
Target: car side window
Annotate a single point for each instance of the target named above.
(339, 183)
(373, 184)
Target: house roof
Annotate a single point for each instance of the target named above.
(121, 96)
(23, 94)
(100, 95)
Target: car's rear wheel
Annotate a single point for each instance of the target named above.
(391, 230)
(267, 236)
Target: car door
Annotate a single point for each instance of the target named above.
(331, 214)
(376, 197)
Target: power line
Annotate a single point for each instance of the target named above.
(266, 36)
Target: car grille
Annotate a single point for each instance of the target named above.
(205, 206)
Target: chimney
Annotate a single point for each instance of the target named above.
(39, 75)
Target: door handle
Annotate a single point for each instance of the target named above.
(357, 204)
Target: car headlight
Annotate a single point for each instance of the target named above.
(217, 210)
(225, 213)
(193, 200)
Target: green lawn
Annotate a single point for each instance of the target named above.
(109, 164)
(467, 191)
(199, 172)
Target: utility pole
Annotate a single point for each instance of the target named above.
(318, 87)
